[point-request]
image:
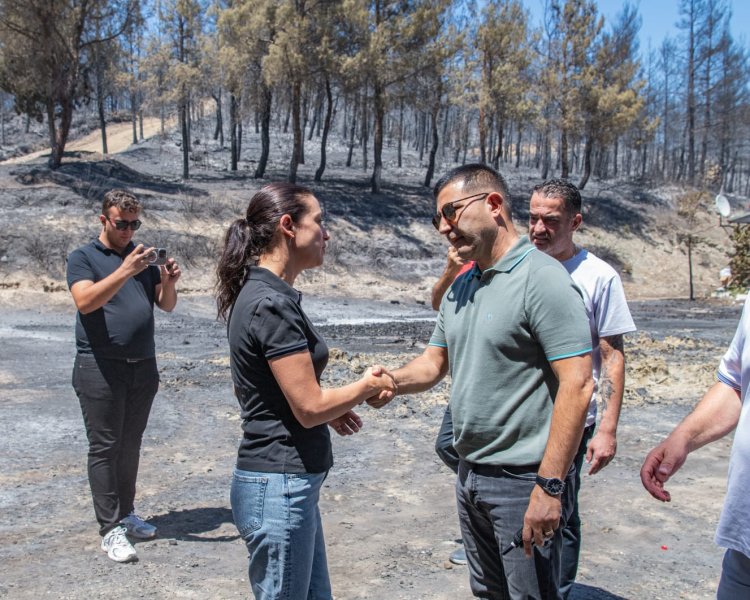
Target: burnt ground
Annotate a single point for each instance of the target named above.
(388, 506)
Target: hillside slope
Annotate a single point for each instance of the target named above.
(382, 246)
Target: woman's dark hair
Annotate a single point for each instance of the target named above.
(246, 239)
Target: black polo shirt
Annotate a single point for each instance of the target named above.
(124, 326)
(266, 322)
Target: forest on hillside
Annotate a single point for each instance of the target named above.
(454, 80)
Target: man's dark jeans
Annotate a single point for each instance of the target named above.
(572, 531)
(444, 442)
(116, 398)
(492, 502)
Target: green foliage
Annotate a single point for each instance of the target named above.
(47, 54)
(739, 259)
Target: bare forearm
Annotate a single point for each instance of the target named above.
(334, 402)
(89, 296)
(611, 383)
(715, 415)
(442, 285)
(452, 269)
(568, 418)
(574, 392)
(312, 405)
(566, 429)
(418, 375)
(167, 298)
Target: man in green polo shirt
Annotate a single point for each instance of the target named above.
(514, 335)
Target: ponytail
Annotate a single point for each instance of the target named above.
(248, 238)
(233, 264)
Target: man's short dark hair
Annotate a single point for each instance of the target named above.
(475, 177)
(563, 189)
(121, 199)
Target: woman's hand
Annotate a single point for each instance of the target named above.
(346, 424)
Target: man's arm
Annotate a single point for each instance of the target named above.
(603, 446)
(166, 292)
(89, 296)
(568, 417)
(418, 375)
(715, 415)
(455, 263)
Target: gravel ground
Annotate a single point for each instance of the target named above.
(388, 505)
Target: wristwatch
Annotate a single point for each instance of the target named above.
(551, 486)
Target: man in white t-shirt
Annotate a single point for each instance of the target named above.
(554, 216)
(721, 409)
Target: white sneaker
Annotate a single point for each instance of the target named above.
(138, 528)
(117, 546)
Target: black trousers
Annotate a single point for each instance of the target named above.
(116, 398)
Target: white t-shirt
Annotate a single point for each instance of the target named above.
(734, 370)
(605, 305)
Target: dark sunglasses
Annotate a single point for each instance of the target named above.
(449, 210)
(123, 225)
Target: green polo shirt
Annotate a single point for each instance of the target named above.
(502, 329)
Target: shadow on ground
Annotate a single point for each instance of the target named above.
(589, 592)
(189, 524)
(92, 178)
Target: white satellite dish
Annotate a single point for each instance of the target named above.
(722, 205)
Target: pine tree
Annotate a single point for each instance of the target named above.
(46, 50)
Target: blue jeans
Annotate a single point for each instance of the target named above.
(735, 576)
(278, 517)
(492, 502)
(572, 530)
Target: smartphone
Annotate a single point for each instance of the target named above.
(158, 256)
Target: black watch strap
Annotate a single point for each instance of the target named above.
(551, 485)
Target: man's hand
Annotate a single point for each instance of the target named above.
(346, 424)
(452, 268)
(384, 385)
(90, 296)
(137, 261)
(170, 272)
(660, 464)
(601, 450)
(716, 414)
(166, 297)
(455, 262)
(541, 520)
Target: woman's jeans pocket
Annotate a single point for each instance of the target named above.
(248, 497)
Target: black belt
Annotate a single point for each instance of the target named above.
(500, 470)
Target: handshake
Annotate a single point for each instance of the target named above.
(383, 385)
(380, 388)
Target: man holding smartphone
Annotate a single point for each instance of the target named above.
(115, 284)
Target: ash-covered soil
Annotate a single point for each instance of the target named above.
(388, 503)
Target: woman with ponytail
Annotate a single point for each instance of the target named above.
(277, 358)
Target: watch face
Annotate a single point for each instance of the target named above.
(553, 486)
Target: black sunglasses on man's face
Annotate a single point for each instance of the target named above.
(122, 225)
(449, 210)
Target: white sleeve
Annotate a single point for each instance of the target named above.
(612, 313)
(730, 367)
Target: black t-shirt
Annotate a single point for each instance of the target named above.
(266, 322)
(124, 326)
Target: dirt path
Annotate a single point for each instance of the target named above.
(119, 139)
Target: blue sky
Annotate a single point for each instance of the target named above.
(658, 18)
